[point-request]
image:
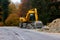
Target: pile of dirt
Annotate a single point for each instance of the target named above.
(54, 26)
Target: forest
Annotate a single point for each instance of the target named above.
(48, 10)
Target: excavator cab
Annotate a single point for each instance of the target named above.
(32, 17)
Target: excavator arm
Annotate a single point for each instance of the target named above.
(33, 11)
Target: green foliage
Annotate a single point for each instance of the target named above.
(47, 10)
(5, 4)
(12, 20)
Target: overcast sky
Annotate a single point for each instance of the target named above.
(14, 1)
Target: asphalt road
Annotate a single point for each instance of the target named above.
(8, 33)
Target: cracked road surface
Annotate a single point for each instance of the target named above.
(14, 33)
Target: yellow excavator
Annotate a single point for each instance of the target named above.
(31, 20)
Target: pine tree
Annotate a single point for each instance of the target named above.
(5, 4)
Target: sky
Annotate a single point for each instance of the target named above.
(14, 1)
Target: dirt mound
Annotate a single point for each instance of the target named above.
(54, 26)
(55, 23)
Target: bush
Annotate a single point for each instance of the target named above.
(12, 20)
(1, 24)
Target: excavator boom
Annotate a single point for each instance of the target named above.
(33, 11)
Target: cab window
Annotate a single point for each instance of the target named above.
(32, 17)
